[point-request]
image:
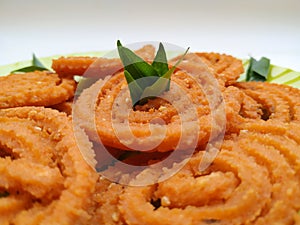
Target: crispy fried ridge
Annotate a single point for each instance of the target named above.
(109, 99)
(97, 67)
(34, 89)
(42, 169)
(226, 67)
(254, 180)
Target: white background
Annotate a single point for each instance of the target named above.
(241, 28)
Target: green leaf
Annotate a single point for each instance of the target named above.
(28, 69)
(160, 86)
(36, 62)
(160, 62)
(134, 64)
(163, 82)
(258, 70)
(277, 74)
(134, 88)
(36, 65)
(157, 74)
(180, 60)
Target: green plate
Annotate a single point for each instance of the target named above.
(277, 74)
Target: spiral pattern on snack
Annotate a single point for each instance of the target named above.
(254, 180)
(44, 178)
(35, 89)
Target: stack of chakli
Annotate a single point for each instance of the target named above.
(47, 169)
(44, 177)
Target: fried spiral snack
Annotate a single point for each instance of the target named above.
(103, 66)
(254, 180)
(277, 102)
(79, 65)
(46, 162)
(43, 172)
(65, 107)
(253, 101)
(34, 89)
(186, 107)
(106, 202)
(227, 68)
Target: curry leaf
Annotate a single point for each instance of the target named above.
(160, 63)
(163, 83)
(146, 81)
(134, 64)
(36, 62)
(134, 88)
(36, 65)
(28, 69)
(258, 70)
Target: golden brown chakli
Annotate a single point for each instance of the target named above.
(44, 176)
(46, 162)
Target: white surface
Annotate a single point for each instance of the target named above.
(241, 28)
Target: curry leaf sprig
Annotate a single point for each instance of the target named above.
(258, 70)
(35, 65)
(146, 80)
